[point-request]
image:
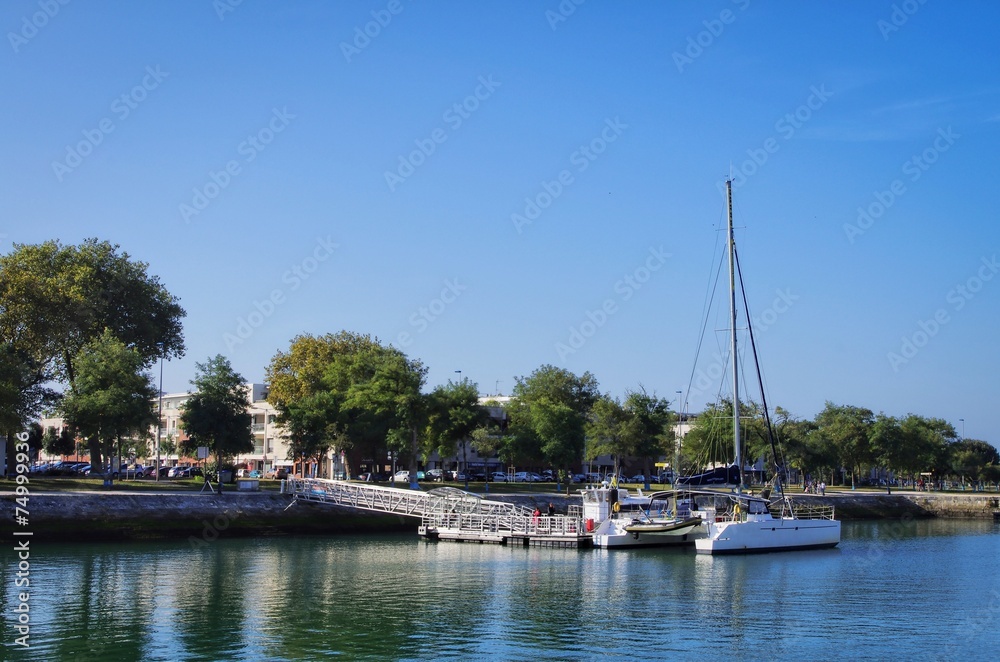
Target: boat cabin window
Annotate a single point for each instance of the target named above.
(757, 507)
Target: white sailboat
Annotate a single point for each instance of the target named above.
(738, 523)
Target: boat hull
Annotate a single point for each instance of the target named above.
(769, 535)
(617, 535)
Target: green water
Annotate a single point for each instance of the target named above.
(929, 590)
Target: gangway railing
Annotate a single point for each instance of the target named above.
(511, 525)
(412, 503)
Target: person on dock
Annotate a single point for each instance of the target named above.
(552, 509)
(534, 517)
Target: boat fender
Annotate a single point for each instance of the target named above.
(616, 507)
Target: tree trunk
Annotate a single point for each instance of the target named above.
(94, 446)
(414, 449)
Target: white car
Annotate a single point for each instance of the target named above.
(526, 477)
(498, 477)
(401, 477)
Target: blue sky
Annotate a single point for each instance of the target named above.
(494, 186)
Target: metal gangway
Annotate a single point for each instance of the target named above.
(396, 501)
(447, 513)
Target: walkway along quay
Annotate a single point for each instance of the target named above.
(448, 513)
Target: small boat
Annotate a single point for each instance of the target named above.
(620, 519)
(739, 523)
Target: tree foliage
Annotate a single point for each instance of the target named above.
(111, 398)
(550, 409)
(217, 414)
(54, 299)
(356, 392)
(24, 392)
(59, 443)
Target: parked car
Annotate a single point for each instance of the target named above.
(175, 472)
(526, 477)
(498, 477)
(276, 473)
(401, 477)
(164, 472)
(189, 472)
(638, 478)
(458, 476)
(434, 474)
(149, 472)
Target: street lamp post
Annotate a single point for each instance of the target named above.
(159, 414)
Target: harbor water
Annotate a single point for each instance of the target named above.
(925, 589)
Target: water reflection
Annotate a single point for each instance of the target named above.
(396, 597)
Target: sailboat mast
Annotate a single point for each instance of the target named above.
(732, 324)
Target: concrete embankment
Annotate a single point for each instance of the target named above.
(75, 516)
(79, 516)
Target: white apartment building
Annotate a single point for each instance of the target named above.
(270, 446)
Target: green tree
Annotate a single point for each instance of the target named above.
(846, 429)
(550, 409)
(112, 398)
(927, 444)
(971, 457)
(792, 436)
(309, 386)
(23, 392)
(607, 430)
(710, 439)
(217, 415)
(648, 429)
(55, 299)
(392, 394)
(61, 443)
(888, 443)
(454, 415)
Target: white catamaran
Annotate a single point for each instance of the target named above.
(738, 523)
